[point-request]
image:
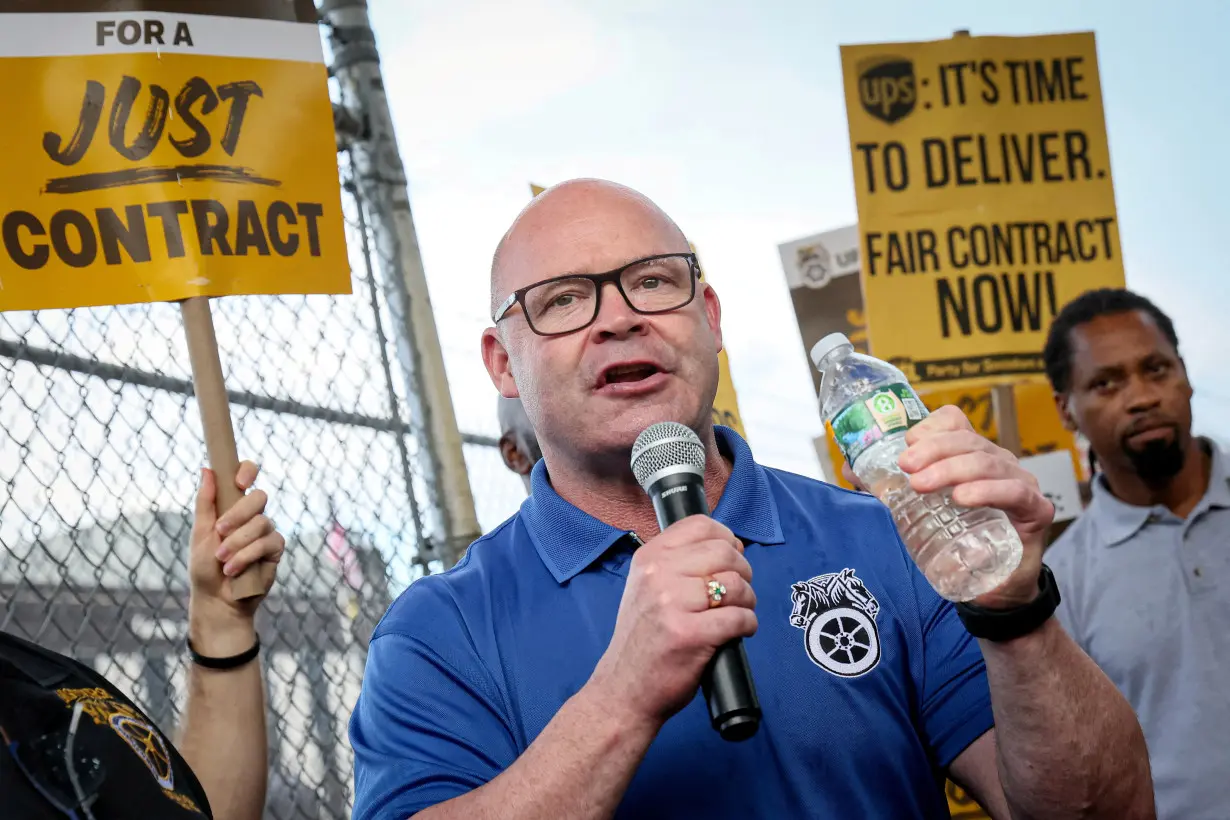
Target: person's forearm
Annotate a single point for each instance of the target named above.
(1069, 743)
(579, 768)
(223, 731)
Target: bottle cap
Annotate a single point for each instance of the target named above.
(826, 346)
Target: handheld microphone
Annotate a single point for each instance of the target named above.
(668, 461)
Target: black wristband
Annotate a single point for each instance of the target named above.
(1007, 624)
(233, 662)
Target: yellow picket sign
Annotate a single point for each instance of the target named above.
(985, 201)
(961, 806)
(726, 403)
(164, 157)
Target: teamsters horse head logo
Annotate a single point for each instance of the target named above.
(837, 614)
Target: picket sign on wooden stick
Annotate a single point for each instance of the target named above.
(249, 206)
(219, 433)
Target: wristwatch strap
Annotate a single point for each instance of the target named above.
(1008, 624)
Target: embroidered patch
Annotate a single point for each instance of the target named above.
(144, 740)
(837, 614)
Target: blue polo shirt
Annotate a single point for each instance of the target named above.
(869, 684)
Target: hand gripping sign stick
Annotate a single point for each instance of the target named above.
(219, 434)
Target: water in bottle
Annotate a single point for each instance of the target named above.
(964, 552)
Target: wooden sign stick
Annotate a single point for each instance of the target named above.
(219, 433)
(1003, 403)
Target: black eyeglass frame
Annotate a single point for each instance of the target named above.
(600, 280)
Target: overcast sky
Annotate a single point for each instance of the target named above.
(730, 116)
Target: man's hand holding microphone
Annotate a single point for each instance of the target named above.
(669, 625)
(688, 602)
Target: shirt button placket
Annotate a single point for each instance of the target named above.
(1199, 579)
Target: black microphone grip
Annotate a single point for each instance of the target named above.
(734, 708)
(677, 496)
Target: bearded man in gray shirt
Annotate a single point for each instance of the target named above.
(1145, 572)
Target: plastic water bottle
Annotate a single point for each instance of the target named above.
(964, 552)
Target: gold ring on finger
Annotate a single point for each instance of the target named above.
(715, 590)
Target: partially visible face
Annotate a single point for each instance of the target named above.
(594, 390)
(518, 443)
(1129, 395)
(520, 456)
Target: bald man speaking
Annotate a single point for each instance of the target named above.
(554, 672)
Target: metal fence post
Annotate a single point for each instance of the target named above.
(381, 180)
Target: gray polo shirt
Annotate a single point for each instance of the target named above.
(1147, 595)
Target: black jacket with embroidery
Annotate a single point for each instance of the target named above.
(124, 766)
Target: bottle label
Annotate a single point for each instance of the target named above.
(872, 416)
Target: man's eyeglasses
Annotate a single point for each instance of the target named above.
(565, 304)
(60, 768)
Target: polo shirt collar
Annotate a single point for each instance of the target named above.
(1118, 521)
(569, 540)
(1218, 494)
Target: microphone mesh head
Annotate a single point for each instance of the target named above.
(663, 445)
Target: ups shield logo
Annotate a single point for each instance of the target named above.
(886, 88)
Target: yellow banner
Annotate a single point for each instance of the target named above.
(985, 202)
(726, 403)
(961, 806)
(163, 158)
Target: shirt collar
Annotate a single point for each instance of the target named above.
(569, 539)
(1118, 521)
(1218, 494)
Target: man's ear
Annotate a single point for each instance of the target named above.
(713, 311)
(1062, 403)
(508, 452)
(495, 358)
(514, 459)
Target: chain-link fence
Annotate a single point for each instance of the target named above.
(100, 447)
